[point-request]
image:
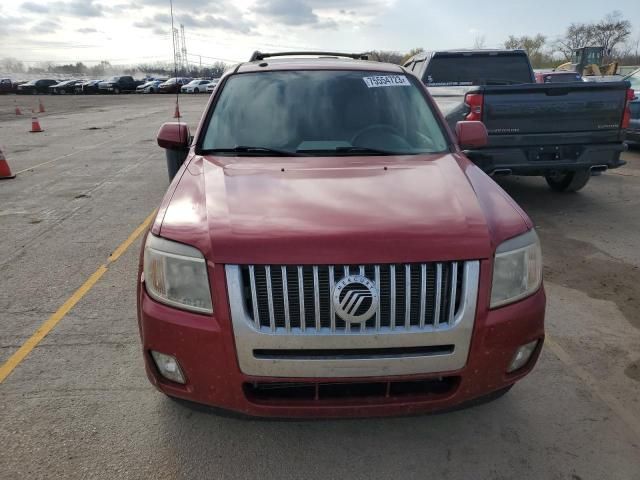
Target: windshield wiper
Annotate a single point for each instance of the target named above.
(254, 150)
(355, 151)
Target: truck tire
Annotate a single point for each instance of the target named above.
(116, 90)
(567, 181)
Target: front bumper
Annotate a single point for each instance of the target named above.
(206, 350)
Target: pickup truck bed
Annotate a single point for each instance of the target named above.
(562, 131)
(534, 128)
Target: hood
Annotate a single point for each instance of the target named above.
(332, 210)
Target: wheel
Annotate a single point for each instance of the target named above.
(195, 90)
(116, 90)
(567, 181)
(151, 90)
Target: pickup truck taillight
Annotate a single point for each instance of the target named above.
(626, 117)
(474, 101)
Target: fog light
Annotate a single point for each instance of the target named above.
(168, 367)
(522, 356)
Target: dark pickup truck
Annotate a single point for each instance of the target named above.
(123, 84)
(564, 132)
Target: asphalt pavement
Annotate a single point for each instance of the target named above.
(78, 405)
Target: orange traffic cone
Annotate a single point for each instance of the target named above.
(40, 106)
(35, 124)
(176, 114)
(5, 171)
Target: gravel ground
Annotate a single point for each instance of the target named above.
(79, 405)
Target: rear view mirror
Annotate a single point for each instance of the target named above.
(471, 134)
(174, 136)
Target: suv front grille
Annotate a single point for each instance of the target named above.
(283, 299)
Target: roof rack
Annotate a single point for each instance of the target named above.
(261, 56)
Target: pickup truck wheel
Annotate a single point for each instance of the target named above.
(567, 181)
(116, 90)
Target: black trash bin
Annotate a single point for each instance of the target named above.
(175, 159)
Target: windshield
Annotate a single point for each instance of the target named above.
(485, 69)
(323, 113)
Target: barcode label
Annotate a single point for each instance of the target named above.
(387, 81)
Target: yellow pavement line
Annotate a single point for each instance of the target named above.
(612, 402)
(124, 246)
(7, 367)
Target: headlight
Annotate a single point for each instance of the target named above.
(176, 274)
(517, 269)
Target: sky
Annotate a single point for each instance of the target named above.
(127, 32)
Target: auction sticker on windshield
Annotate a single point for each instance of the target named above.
(387, 81)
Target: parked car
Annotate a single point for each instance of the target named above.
(15, 85)
(87, 87)
(195, 86)
(212, 85)
(633, 132)
(149, 87)
(341, 256)
(64, 87)
(36, 86)
(6, 86)
(558, 77)
(122, 84)
(564, 132)
(173, 85)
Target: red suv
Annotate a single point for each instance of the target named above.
(326, 250)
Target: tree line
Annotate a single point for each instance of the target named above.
(613, 33)
(105, 68)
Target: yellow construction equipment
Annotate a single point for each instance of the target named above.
(587, 61)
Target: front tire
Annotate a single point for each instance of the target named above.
(116, 90)
(568, 181)
(195, 90)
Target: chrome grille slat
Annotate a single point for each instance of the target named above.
(412, 297)
(378, 314)
(272, 317)
(407, 296)
(392, 296)
(285, 296)
(303, 323)
(254, 296)
(316, 297)
(454, 284)
(423, 294)
(436, 314)
(332, 312)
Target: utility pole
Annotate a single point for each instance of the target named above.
(184, 49)
(176, 48)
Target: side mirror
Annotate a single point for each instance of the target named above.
(174, 136)
(471, 134)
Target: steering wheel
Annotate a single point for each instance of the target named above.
(372, 128)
